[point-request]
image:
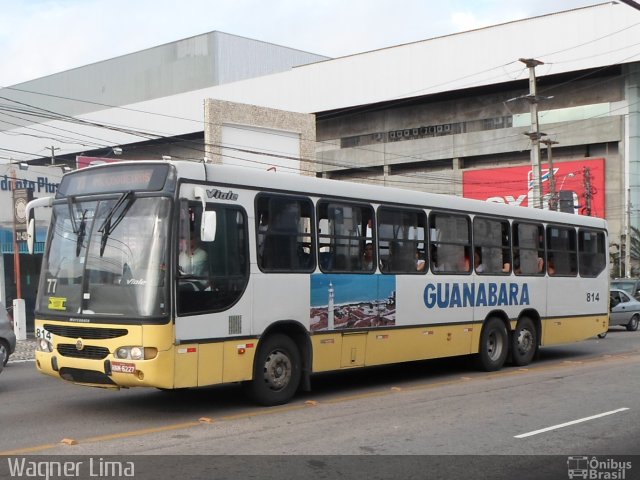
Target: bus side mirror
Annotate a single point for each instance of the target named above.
(31, 235)
(31, 228)
(208, 222)
(208, 226)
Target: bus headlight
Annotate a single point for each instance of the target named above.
(43, 345)
(136, 353)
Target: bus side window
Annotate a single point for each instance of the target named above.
(284, 233)
(344, 230)
(450, 237)
(591, 252)
(528, 249)
(492, 246)
(227, 272)
(402, 240)
(561, 251)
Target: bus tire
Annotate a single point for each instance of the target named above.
(524, 342)
(494, 345)
(276, 372)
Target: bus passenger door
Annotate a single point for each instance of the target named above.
(212, 298)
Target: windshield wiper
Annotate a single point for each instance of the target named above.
(108, 226)
(81, 231)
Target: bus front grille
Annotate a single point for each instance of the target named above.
(79, 375)
(90, 352)
(89, 333)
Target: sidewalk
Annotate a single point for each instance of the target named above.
(24, 350)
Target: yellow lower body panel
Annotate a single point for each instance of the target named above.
(198, 365)
(556, 331)
(333, 351)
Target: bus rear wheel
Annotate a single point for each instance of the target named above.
(493, 345)
(524, 342)
(276, 372)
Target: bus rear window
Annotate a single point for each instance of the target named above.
(591, 252)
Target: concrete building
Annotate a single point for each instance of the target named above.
(445, 114)
(47, 122)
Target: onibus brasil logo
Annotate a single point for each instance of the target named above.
(597, 469)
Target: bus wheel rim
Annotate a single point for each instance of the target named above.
(277, 370)
(494, 346)
(524, 341)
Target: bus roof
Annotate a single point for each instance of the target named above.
(236, 176)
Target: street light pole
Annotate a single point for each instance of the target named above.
(16, 245)
(553, 195)
(534, 134)
(53, 154)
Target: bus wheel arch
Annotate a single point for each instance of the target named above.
(281, 363)
(525, 339)
(494, 342)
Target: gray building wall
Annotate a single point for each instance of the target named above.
(476, 129)
(190, 64)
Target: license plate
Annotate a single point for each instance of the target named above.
(123, 367)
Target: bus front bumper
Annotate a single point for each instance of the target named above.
(109, 372)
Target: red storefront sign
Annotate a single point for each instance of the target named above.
(83, 162)
(580, 185)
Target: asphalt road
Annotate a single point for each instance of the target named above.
(577, 399)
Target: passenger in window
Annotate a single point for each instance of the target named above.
(551, 268)
(506, 262)
(263, 226)
(477, 261)
(367, 257)
(464, 263)
(573, 267)
(516, 265)
(420, 262)
(194, 261)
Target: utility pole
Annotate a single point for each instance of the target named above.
(588, 192)
(553, 195)
(627, 237)
(53, 154)
(16, 245)
(534, 134)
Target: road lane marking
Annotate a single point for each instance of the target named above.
(346, 398)
(573, 422)
(28, 450)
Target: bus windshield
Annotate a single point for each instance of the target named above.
(107, 257)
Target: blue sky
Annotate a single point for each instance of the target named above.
(40, 37)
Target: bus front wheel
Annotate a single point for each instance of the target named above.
(276, 372)
(524, 342)
(493, 345)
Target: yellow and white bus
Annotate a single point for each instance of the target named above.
(301, 275)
